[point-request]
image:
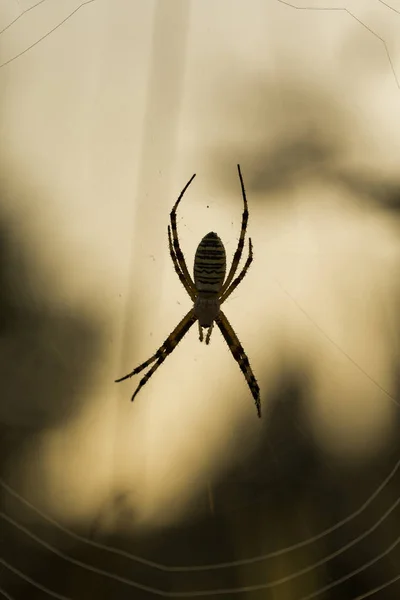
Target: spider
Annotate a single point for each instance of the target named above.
(208, 291)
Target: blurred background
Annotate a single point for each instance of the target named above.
(107, 108)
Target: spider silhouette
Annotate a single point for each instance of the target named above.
(208, 291)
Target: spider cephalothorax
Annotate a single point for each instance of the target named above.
(208, 291)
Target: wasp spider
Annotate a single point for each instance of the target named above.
(208, 291)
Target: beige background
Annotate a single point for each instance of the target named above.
(102, 123)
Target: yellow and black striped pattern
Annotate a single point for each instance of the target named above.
(209, 264)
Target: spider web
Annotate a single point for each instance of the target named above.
(391, 477)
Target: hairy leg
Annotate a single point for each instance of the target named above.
(167, 347)
(238, 254)
(240, 356)
(239, 278)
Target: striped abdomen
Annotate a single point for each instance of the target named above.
(209, 264)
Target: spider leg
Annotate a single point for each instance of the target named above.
(238, 254)
(178, 252)
(181, 276)
(168, 346)
(201, 337)
(240, 356)
(239, 278)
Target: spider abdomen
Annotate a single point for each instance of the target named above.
(209, 264)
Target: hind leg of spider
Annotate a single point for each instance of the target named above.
(186, 284)
(153, 369)
(177, 249)
(238, 254)
(239, 278)
(168, 346)
(138, 369)
(240, 356)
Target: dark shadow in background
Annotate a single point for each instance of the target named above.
(260, 508)
(47, 358)
(299, 134)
